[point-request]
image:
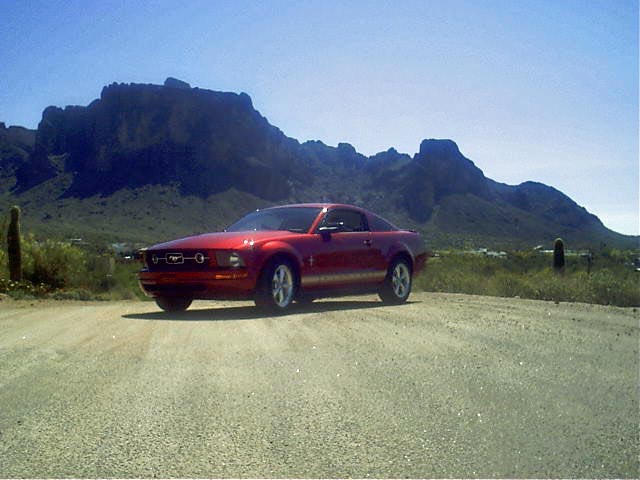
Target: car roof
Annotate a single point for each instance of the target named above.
(331, 206)
(316, 205)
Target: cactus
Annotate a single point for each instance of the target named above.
(13, 246)
(558, 256)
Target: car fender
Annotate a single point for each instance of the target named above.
(276, 247)
(397, 247)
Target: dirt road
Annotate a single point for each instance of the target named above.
(445, 386)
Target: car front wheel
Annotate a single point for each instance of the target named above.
(397, 284)
(278, 287)
(173, 304)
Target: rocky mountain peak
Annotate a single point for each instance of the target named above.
(439, 147)
(172, 82)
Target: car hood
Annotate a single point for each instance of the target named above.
(221, 240)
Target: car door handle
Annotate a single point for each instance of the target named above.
(367, 242)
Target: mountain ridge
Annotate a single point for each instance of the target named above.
(201, 144)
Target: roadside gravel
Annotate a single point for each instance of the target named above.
(445, 386)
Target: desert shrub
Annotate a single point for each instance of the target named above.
(55, 264)
(608, 288)
(530, 275)
(545, 285)
(61, 270)
(504, 284)
(73, 294)
(21, 289)
(123, 284)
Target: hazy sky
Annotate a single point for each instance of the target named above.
(530, 90)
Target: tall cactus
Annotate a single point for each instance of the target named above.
(558, 256)
(13, 246)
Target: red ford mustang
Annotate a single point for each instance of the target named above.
(281, 254)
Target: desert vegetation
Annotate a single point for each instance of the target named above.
(609, 279)
(62, 270)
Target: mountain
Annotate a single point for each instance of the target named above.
(150, 162)
(16, 145)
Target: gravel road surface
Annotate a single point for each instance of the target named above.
(444, 386)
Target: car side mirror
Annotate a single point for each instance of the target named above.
(327, 230)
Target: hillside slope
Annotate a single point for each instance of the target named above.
(148, 162)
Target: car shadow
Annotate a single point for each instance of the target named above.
(250, 312)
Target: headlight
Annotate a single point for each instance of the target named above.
(235, 260)
(229, 259)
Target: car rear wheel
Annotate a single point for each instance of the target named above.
(173, 304)
(278, 286)
(397, 284)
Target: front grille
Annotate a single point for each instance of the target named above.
(177, 260)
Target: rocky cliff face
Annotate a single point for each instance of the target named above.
(135, 135)
(436, 171)
(205, 142)
(16, 145)
(547, 203)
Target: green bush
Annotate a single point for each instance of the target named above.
(61, 270)
(55, 264)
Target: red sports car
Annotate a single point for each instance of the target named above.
(281, 254)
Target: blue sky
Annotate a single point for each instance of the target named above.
(530, 90)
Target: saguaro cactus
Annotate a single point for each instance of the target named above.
(558, 256)
(13, 246)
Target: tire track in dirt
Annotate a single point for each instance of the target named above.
(444, 386)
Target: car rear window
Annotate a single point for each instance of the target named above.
(377, 224)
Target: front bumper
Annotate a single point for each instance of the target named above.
(218, 284)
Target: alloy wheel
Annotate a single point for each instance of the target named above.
(282, 286)
(401, 280)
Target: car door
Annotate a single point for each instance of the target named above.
(344, 255)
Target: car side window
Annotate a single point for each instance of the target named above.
(348, 220)
(378, 224)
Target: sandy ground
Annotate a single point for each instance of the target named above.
(445, 386)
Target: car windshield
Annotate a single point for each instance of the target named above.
(294, 219)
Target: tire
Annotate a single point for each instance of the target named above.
(397, 283)
(173, 304)
(277, 287)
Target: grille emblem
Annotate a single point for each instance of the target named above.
(174, 258)
(199, 257)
